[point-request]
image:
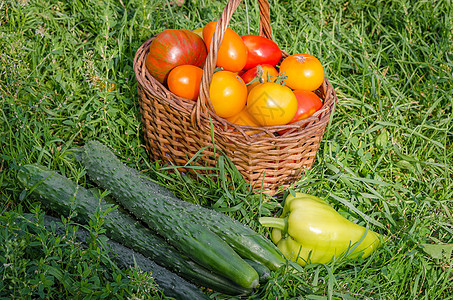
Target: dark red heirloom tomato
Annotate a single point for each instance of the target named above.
(260, 51)
(172, 48)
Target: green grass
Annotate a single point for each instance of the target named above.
(386, 159)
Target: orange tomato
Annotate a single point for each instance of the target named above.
(244, 118)
(271, 104)
(251, 74)
(232, 54)
(303, 72)
(228, 93)
(184, 81)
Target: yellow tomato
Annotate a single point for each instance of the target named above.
(228, 93)
(198, 31)
(244, 118)
(271, 104)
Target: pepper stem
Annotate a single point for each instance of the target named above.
(279, 223)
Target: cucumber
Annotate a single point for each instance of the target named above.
(128, 186)
(62, 195)
(263, 272)
(185, 232)
(171, 284)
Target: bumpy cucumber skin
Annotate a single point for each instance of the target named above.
(248, 243)
(62, 195)
(171, 284)
(263, 272)
(193, 239)
(100, 163)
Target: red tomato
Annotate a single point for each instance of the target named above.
(172, 48)
(232, 53)
(307, 104)
(271, 104)
(303, 72)
(184, 81)
(260, 51)
(240, 73)
(251, 74)
(228, 93)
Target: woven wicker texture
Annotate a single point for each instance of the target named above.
(175, 129)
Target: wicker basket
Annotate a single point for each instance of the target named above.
(176, 129)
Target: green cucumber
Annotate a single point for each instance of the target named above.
(171, 284)
(183, 231)
(128, 185)
(62, 195)
(263, 272)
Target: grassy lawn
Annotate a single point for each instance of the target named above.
(386, 160)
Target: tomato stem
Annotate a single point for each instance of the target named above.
(281, 79)
(259, 74)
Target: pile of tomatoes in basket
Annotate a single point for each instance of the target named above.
(251, 86)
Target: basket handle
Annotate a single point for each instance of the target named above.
(203, 104)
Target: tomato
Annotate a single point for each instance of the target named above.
(307, 104)
(184, 81)
(271, 104)
(198, 31)
(267, 70)
(260, 51)
(232, 53)
(228, 93)
(303, 72)
(172, 48)
(244, 118)
(240, 73)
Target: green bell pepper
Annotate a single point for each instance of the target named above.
(310, 230)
